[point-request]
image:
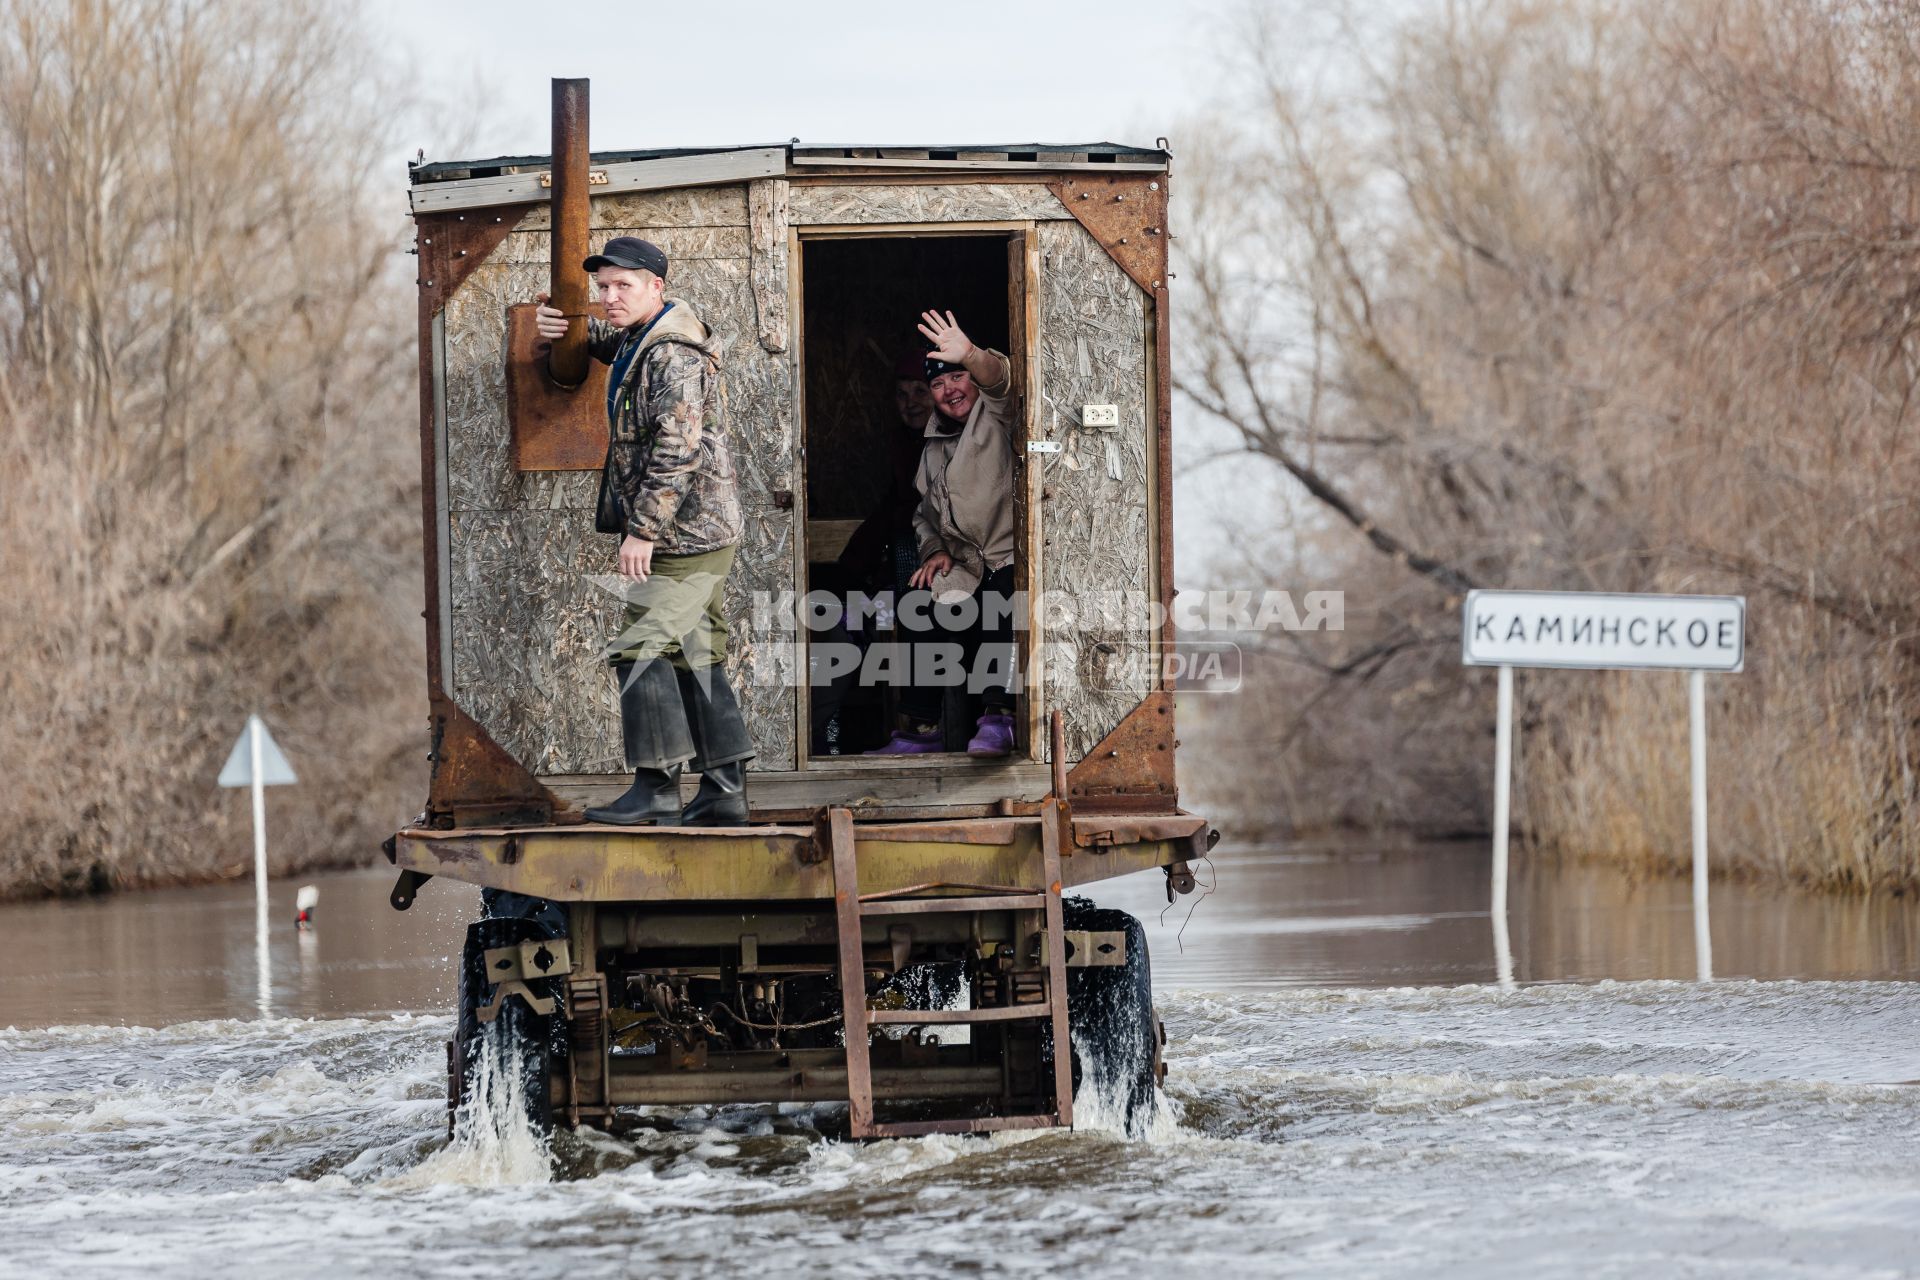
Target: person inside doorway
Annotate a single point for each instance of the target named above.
(964, 529)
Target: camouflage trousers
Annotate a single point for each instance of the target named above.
(678, 613)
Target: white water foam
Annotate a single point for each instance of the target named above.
(494, 1141)
(1625, 1130)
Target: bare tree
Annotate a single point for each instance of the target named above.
(1587, 294)
(208, 471)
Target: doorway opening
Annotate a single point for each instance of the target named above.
(866, 415)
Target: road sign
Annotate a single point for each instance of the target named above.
(274, 769)
(1601, 630)
(1593, 629)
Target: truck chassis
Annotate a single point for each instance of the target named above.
(680, 966)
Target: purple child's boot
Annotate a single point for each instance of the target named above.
(994, 738)
(906, 742)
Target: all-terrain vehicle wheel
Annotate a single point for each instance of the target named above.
(502, 1067)
(1116, 1037)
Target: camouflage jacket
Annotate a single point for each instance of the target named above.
(669, 474)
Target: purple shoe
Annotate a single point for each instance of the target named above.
(995, 737)
(906, 743)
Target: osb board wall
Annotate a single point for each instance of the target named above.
(907, 202)
(528, 624)
(1096, 535)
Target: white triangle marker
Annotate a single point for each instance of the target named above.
(274, 769)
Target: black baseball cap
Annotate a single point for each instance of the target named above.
(630, 252)
(934, 366)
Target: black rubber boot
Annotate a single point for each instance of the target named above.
(722, 798)
(653, 797)
(653, 731)
(721, 748)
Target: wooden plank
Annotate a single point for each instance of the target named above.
(828, 177)
(936, 782)
(1023, 283)
(797, 568)
(1009, 166)
(919, 230)
(679, 243)
(636, 175)
(767, 224)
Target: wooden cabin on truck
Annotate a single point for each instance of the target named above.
(813, 954)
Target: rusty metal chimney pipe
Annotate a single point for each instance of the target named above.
(568, 362)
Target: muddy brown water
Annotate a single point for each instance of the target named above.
(1349, 1092)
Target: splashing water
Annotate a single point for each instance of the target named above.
(1100, 1105)
(495, 1143)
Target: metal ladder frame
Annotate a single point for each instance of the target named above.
(850, 909)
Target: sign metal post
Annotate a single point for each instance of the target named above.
(257, 762)
(1502, 808)
(1697, 750)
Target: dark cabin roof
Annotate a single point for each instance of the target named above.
(1018, 153)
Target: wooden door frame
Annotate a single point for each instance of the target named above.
(1024, 320)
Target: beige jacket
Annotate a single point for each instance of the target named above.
(966, 491)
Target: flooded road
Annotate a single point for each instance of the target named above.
(1347, 1094)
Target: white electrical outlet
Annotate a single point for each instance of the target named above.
(1100, 415)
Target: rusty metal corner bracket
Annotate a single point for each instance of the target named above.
(451, 245)
(475, 780)
(1127, 215)
(1131, 769)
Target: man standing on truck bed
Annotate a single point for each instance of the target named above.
(965, 528)
(668, 489)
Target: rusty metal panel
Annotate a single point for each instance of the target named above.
(1127, 216)
(452, 245)
(473, 780)
(553, 428)
(1055, 958)
(1132, 767)
(1095, 829)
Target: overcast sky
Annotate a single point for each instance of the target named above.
(734, 72)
